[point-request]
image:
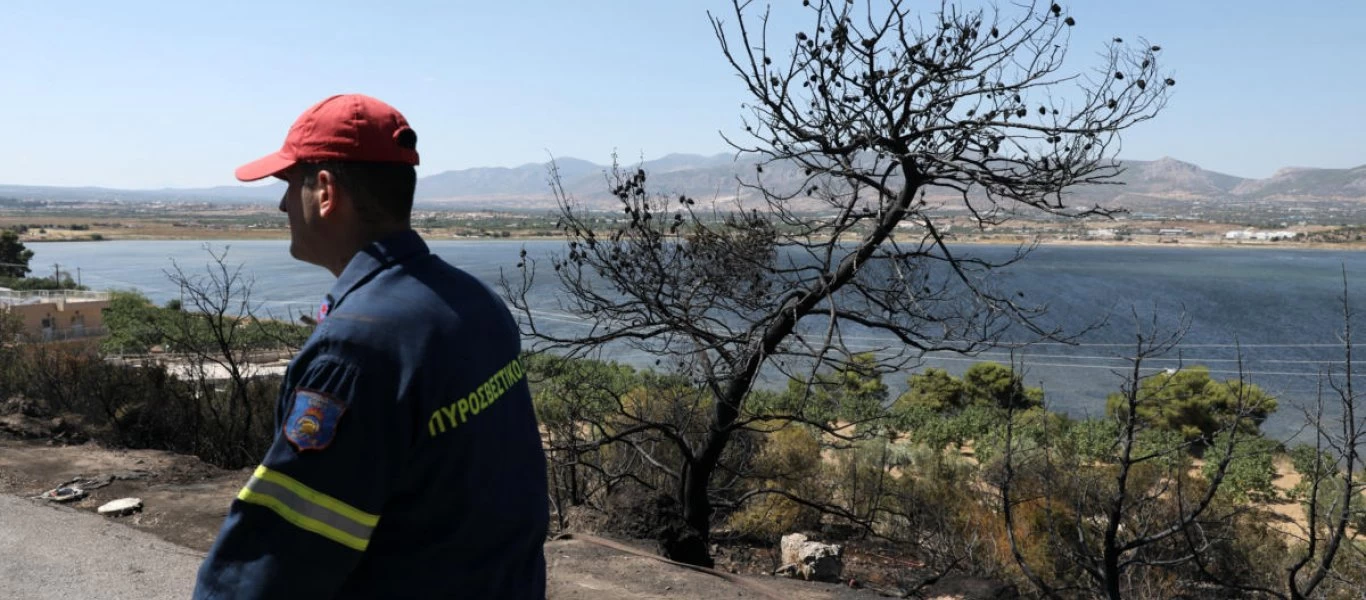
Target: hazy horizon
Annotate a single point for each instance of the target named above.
(421, 174)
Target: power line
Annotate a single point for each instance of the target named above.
(1080, 362)
(578, 320)
(1118, 367)
(1182, 360)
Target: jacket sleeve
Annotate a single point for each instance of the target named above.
(304, 519)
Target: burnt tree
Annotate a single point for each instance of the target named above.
(863, 132)
(1130, 509)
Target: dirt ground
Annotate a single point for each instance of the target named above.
(581, 571)
(1289, 516)
(185, 501)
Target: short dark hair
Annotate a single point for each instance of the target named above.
(382, 191)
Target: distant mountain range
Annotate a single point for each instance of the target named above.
(1165, 183)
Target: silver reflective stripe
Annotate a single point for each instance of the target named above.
(257, 486)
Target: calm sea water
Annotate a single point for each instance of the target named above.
(1281, 306)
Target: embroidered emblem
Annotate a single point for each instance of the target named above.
(323, 308)
(312, 421)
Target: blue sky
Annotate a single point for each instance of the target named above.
(173, 94)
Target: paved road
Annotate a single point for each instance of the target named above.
(49, 552)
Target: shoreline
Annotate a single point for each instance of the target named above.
(1190, 244)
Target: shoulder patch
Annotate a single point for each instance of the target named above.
(312, 421)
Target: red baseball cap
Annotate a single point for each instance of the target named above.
(350, 127)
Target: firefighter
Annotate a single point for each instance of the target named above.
(406, 461)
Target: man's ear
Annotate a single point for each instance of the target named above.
(326, 188)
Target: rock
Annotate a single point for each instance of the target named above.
(20, 405)
(120, 507)
(56, 429)
(970, 588)
(24, 426)
(815, 561)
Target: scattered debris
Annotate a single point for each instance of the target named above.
(90, 483)
(63, 493)
(79, 487)
(95, 482)
(813, 561)
(120, 507)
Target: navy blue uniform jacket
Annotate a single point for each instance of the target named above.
(406, 461)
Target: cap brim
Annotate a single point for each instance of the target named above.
(261, 168)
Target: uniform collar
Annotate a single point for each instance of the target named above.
(372, 259)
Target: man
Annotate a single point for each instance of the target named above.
(407, 462)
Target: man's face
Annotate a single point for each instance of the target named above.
(301, 203)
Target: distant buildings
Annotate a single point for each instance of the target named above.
(1261, 236)
(57, 315)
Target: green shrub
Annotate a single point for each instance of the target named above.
(771, 516)
(789, 460)
(932, 389)
(995, 384)
(1250, 473)
(1195, 406)
(855, 393)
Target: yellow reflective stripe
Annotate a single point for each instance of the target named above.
(308, 509)
(316, 497)
(302, 521)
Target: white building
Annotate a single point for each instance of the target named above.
(1261, 236)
